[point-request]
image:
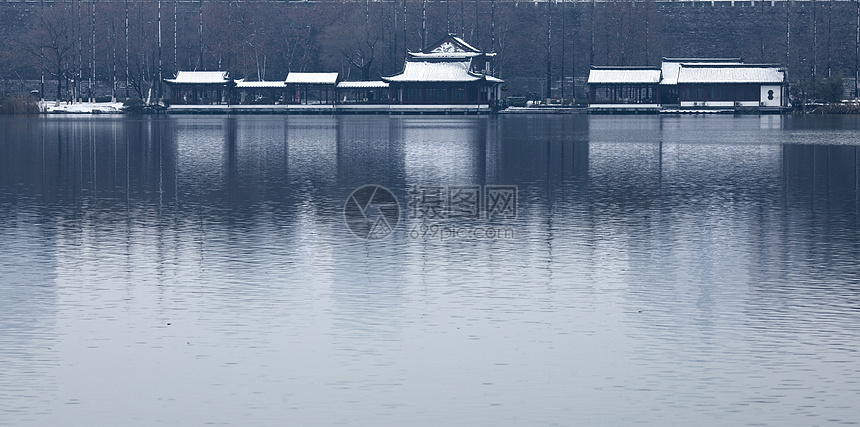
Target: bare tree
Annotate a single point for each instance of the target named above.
(160, 68)
(92, 82)
(356, 44)
(814, 41)
(788, 33)
(492, 26)
(549, 49)
(563, 39)
(54, 34)
(127, 66)
(200, 33)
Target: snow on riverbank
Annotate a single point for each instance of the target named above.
(81, 107)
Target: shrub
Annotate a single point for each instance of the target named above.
(24, 104)
(133, 105)
(827, 90)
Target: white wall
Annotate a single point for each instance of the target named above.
(771, 96)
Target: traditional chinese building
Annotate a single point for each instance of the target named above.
(362, 92)
(312, 88)
(688, 83)
(671, 68)
(200, 87)
(450, 71)
(624, 88)
(735, 86)
(259, 92)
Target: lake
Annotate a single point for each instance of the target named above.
(429, 270)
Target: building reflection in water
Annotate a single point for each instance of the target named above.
(662, 235)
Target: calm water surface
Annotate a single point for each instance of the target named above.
(198, 270)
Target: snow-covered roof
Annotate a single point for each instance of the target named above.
(200, 77)
(730, 74)
(435, 71)
(312, 78)
(704, 60)
(262, 85)
(624, 75)
(449, 55)
(452, 47)
(671, 66)
(362, 85)
(463, 42)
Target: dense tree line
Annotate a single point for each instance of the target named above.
(129, 45)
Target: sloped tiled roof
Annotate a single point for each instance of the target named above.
(435, 71)
(730, 74)
(362, 85)
(261, 84)
(671, 66)
(199, 77)
(312, 78)
(624, 75)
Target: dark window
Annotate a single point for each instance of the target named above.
(434, 95)
(472, 94)
(604, 94)
(412, 94)
(458, 94)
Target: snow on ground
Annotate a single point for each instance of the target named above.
(81, 107)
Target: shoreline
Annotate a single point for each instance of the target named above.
(96, 108)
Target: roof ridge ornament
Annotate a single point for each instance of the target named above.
(447, 47)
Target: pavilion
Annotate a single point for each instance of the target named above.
(200, 87)
(450, 71)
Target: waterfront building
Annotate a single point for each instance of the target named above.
(363, 92)
(312, 88)
(449, 71)
(732, 86)
(200, 88)
(671, 68)
(259, 92)
(449, 77)
(633, 89)
(688, 84)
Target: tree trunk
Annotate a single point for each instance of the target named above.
(175, 58)
(573, 60)
(92, 93)
(492, 25)
(127, 67)
(42, 53)
(200, 33)
(647, 6)
(79, 31)
(829, 24)
(814, 42)
(548, 49)
(788, 34)
(591, 31)
(477, 26)
(160, 70)
(563, 38)
(447, 17)
(463, 18)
